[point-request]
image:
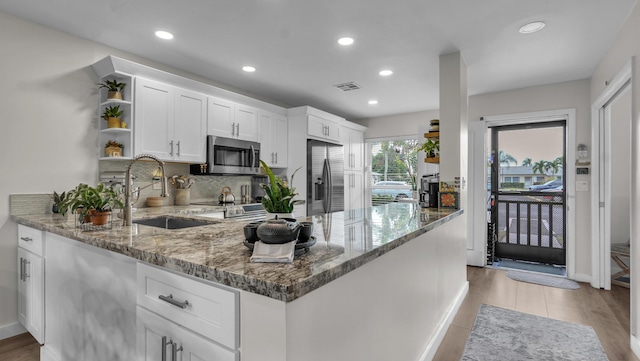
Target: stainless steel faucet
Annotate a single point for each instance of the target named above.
(126, 218)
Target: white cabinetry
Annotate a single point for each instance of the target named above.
(170, 122)
(273, 139)
(180, 314)
(353, 191)
(323, 129)
(31, 281)
(120, 134)
(231, 120)
(353, 141)
(162, 340)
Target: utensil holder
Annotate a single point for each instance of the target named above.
(183, 197)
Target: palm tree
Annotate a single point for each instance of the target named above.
(526, 162)
(540, 167)
(506, 158)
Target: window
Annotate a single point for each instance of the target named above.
(393, 169)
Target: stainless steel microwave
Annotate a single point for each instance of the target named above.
(229, 156)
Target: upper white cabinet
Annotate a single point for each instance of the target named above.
(170, 122)
(323, 129)
(231, 120)
(273, 139)
(353, 141)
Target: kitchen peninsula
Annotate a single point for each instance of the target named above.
(381, 283)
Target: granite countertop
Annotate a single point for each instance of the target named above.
(215, 252)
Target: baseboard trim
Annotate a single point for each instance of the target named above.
(10, 330)
(635, 346)
(434, 342)
(581, 277)
(46, 355)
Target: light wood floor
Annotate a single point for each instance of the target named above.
(606, 311)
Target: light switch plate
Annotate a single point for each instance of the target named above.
(582, 186)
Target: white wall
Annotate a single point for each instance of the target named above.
(397, 125)
(49, 137)
(564, 95)
(623, 49)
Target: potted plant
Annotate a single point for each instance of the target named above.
(112, 115)
(113, 149)
(94, 204)
(58, 199)
(114, 88)
(279, 197)
(431, 148)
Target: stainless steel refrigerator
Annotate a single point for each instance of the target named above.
(325, 177)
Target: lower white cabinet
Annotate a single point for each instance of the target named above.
(177, 314)
(162, 340)
(31, 293)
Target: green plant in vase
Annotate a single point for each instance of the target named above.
(431, 147)
(279, 196)
(114, 88)
(112, 115)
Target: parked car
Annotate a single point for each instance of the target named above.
(555, 197)
(548, 185)
(393, 189)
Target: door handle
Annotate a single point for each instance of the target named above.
(233, 129)
(276, 157)
(164, 347)
(178, 145)
(21, 269)
(27, 239)
(237, 129)
(171, 151)
(25, 274)
(174, 351)
(169, 299)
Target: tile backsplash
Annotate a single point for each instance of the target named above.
(205, 188)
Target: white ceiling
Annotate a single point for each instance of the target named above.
(293, 43)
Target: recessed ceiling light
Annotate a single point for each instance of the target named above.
(164, 35)
(532, 27)
(345, 41)
(373, 102)
(385, 72)
(249, 69)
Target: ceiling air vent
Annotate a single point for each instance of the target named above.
(345, 87)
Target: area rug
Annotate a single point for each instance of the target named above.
(544, 280)
(500, 335)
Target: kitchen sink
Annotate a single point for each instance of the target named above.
(168, 222)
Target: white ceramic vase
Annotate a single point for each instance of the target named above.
(280, 215)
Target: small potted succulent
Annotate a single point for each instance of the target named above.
(113, 149)
(114, 88)
(112, 115)
(58, 199)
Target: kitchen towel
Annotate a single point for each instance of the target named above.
(263, 252)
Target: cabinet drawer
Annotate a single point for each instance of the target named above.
(196, 305)
(30, 239)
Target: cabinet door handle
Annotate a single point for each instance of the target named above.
(174, 351)
(21, 269)
(171, 145)
(276, 157)
(25, 274)
(164, 347)
(27, 239)
(171, 300)
(237, 129)
(178, 145)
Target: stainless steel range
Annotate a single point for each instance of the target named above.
(242, 212)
